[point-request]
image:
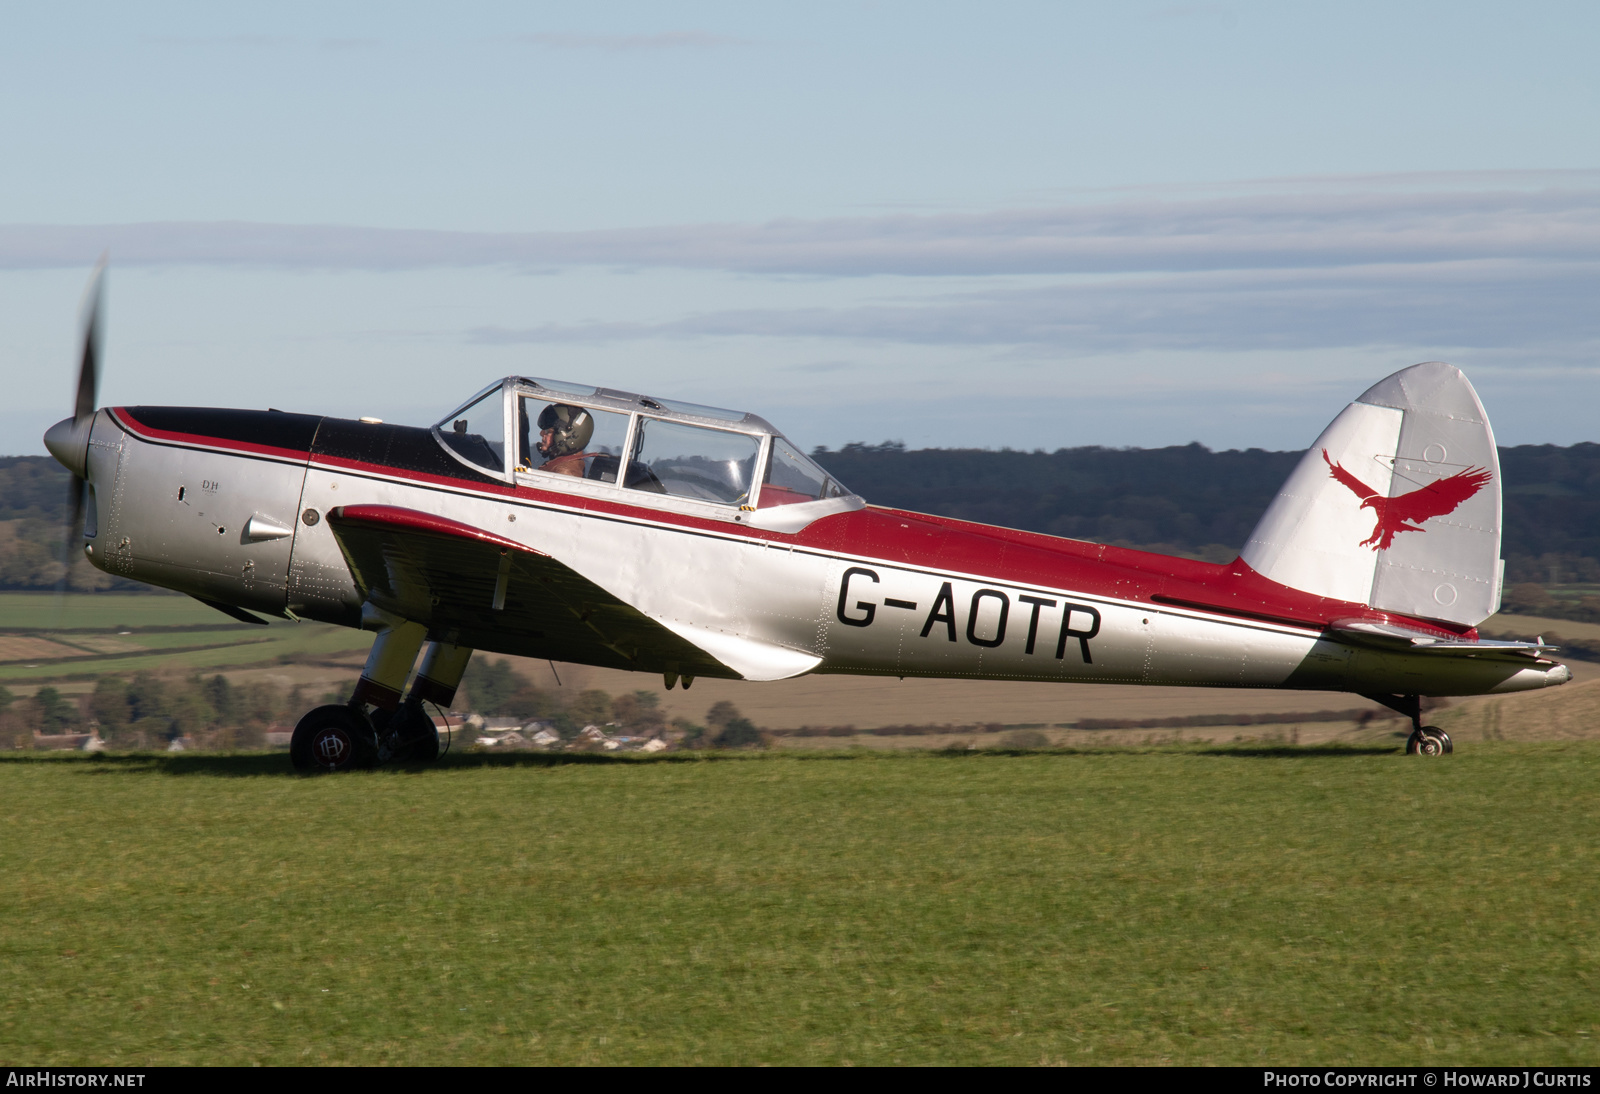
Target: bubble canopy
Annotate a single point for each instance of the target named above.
(561, 435)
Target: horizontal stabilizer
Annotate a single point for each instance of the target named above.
(1390, 636)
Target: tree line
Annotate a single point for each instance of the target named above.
(495, 689)
(149, 711)
(145, 711)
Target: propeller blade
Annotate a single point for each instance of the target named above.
(75, 523)
(69, 554)
(89, 365)
(83, 407)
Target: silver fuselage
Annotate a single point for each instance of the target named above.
(858, 590)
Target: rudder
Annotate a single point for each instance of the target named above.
(1396, 505)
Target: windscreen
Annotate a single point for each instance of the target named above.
(792, 478)
(479, 433)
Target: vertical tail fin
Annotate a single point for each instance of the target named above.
(1396, 506)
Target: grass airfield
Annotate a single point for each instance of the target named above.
(1185, 904)
(1170, 900)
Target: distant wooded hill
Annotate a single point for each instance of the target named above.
(1184, 500)
(33, 512)
(1190, 500)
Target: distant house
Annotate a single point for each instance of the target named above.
(592, 736)
(55, 742)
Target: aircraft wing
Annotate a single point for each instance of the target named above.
(484, 591)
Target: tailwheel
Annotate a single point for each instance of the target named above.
(332, 738)
(1428, 741)
(408, 735)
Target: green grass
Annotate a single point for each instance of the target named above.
(1175, 905)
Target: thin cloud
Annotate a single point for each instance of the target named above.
(1486, 305)
(1198, 13)
(624, 43)
(822, 366)
(249, 41)
(264, 41)
(1255, 231)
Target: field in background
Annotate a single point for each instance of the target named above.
(75, 611)
(67, 641)
(869, 702)
(1171, 906)
(126, 633)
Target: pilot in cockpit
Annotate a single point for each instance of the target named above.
(563, 433)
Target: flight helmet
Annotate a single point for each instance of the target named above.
(571, 427)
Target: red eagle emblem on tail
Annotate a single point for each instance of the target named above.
(1407, 512)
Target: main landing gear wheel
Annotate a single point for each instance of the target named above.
(1428, 741)
(332, 738)
(408, 735)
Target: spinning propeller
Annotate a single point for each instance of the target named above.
(68, 439)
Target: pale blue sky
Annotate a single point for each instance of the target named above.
(956, 224)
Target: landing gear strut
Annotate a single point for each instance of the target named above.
(398, 730)
(1424, 740)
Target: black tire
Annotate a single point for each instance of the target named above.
(409, 735)
(425, 749)
(1429, 741)
(331, 739)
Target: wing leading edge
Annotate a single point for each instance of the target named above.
(478, 589)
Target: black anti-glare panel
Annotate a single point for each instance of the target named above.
(271, 428)
(403, 447)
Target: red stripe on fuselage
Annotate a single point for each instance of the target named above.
(928, 542)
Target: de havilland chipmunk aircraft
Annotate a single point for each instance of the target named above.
(578, 523)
